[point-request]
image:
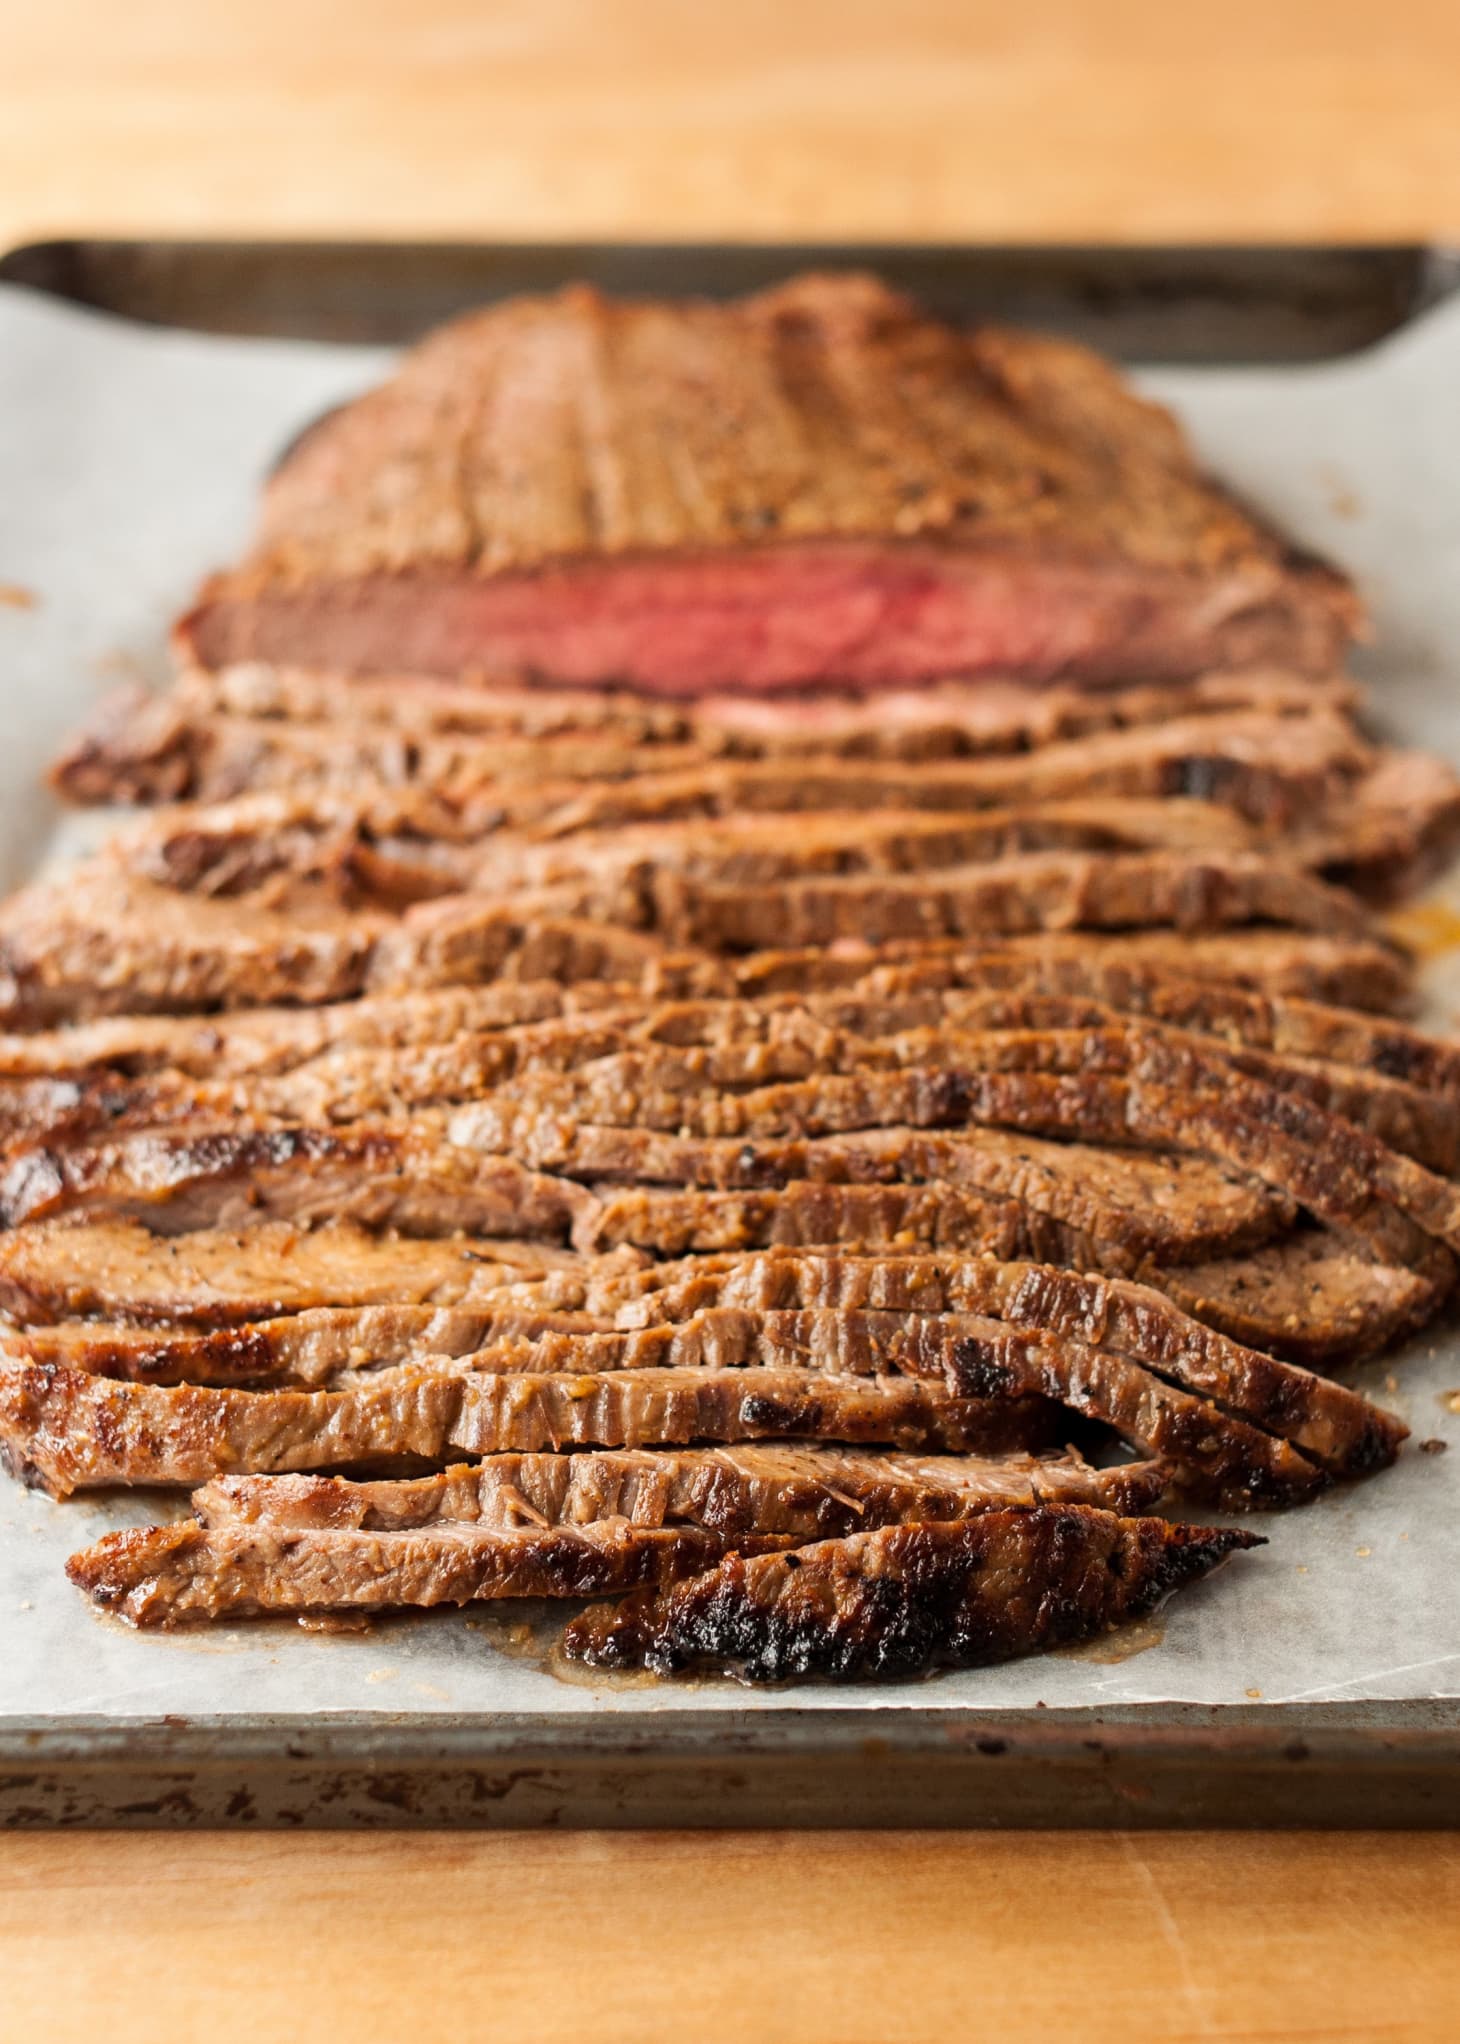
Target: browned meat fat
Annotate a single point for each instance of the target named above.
(901, 1600)
(857, 495)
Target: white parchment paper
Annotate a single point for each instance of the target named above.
(129, 462)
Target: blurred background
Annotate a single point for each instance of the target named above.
(1080, 119)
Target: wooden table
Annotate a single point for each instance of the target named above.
(1132, 119)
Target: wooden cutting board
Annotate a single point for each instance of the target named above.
(971, 119)
(745, 1938)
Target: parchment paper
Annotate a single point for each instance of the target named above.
(129, 461)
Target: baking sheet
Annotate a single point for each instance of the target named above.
(130, 459)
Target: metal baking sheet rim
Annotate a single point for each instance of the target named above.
(1394, 1766)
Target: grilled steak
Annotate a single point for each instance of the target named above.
(1032, 892)
(105, 943)
(228, 1176)
(102, 942)
(51, 1272)
(806, 1212)
(856, 495)
(308, 1350)
(1393, 831)
(214, 736)
(937, 720)
(168, 1575)
(903, 1599)
(726, 1045)
(1270, 765)
(966, 1045)
(1367, 974)
(811, 1493)
(546, 1525)
(65, 1431)
(1329, 1422)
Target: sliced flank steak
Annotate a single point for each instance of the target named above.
(766, 1487)
(104, 943)
(506, 1526)
(64, 1430)
(214, 736)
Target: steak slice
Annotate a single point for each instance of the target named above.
(1394, 829)
(903, 1599)
(267, 1040)
(313, 1349)
(226, 1177)
(214, 736)
(188, 745)
(102, 942)
(1030, 893)
(936, 720)
(1276, 770)
(51, 1271)
(1308, 1298)
(1329, 1422)
(1163, 1097)
(169, 1575)
(1369, 973)
(64, 1430)
(1332, 1426)
(808, 1212)
(107, 944)
(811, 1493)
(816, 485)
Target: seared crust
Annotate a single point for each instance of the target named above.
(898, 1601)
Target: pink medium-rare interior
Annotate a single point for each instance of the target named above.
(777, 619)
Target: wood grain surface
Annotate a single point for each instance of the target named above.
(1054, 119)
(817, 1939)
(794, 118)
